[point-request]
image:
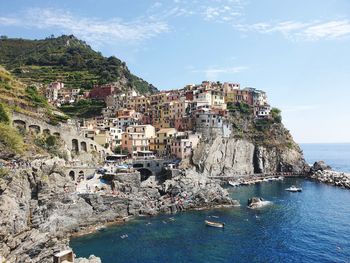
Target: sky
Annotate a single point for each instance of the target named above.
(298, 51)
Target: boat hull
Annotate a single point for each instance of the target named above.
(214, 224)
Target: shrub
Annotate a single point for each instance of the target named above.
(276, 115)
(10, 138)
(4, 172)
(34, 96)
(242, 107)
(4, 117)
(262, 124)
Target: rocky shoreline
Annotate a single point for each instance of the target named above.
(323, 173)
(333, 178)
(41, 209)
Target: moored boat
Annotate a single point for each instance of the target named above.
(214, 224)
(234, 184)
(293, 188)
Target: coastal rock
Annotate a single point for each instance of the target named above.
(332, 177)
(257, 202)
(229, 157)
(91, 259)
(320, 166)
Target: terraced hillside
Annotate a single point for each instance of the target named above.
(66, 59)
(19, 97)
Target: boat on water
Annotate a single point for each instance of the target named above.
(294, 189)
(234, 184)
(214, 224)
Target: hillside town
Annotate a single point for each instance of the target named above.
(165, 124)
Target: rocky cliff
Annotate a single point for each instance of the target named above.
(241, 157)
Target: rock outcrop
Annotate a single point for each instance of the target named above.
(230, 157)
(257, 202)
(91, 259)
(322, 172)
(320, 166)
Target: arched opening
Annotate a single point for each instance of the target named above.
(20, 125)
(83, 146)
(34, 129)
(75, 145)
(145, 173)
(46, 132)
(81, 176)
(72, 175)
(91, 147)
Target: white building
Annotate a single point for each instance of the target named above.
(262, 111)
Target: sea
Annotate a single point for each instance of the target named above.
(311, 226)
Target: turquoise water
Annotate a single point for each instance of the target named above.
(311, 226)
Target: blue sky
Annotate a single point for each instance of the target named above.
(297, 51)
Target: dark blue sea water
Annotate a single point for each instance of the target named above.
(311, 226)
(337, 155)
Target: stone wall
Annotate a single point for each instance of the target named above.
(69, 134)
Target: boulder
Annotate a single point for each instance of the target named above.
(91, 259)
(257, 202)
(320, 166)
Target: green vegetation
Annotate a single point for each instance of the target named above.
(5, 177)
(4, 117)
(55, 119)
(84, 108)
(276, 115)
(10, 139)
(37, 99)
(120, 150)
(65, 59)
(49, 143)
(241, 107)
(263, 124)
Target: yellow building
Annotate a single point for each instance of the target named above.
(161, 143)
(159, 98)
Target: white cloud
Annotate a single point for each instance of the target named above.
(213, 73)
(223, 10)
(95, 31)
(299, 31)
(8, 21)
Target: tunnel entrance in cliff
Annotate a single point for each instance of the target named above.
(145, 173)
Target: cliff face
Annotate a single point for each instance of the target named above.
(240, 157)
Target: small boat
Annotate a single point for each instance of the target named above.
(294, 189)
(101, 228)
(124, 236)
(214, 224)
(234, 184)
